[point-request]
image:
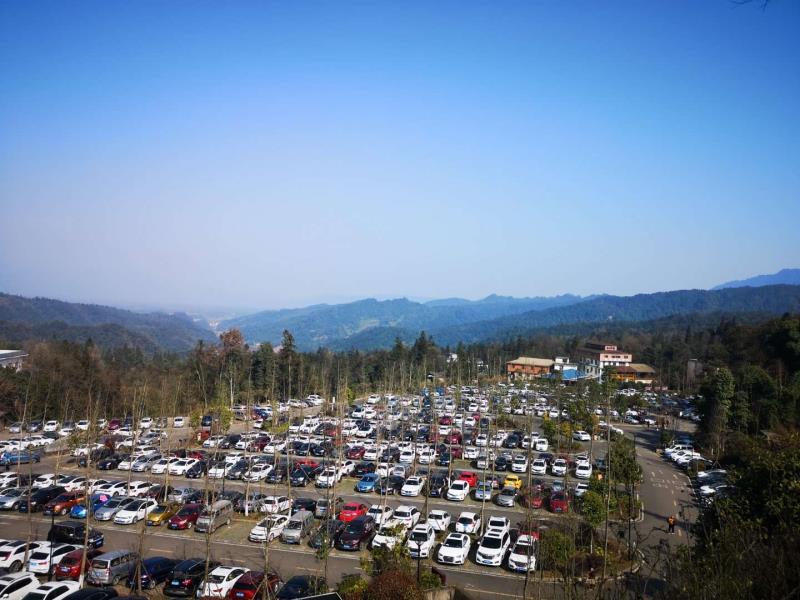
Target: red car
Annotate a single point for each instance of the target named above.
(446, 420)
(114, 424)
(454, 438)
(186, 517)
(469, 477)
(532, 500)
(356, 453)
(70, 566)
(198, 454)
(306, 462)
(251, 586)
(559, 502)
(351, 510)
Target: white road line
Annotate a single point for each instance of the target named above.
(675, 502)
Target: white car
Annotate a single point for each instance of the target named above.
(482, 440)
(471, 452)
(458, 490)
(519, 464)
(83, 425)
(101, 423)
(426, 457)
(257, 472)
(328, 478)
(135, 511)
(44, 480)
(16, 586)
(145, 423)
(213, 441)
(46, 558)
(66, 430)
(381, 514)
(492, 548)
(390, 534)
(125, 465)
(454, 549)
(218, 470)
(220, 581)
(181, 466)
(408, 515)
(499, 524)
(51, 426)
(8, 478)
(522, 557)
(439, 520)
(581, 489)
(583, 470)
(275, 504)
(581, 436)
(407, 457)
(268, 528)
(112, 488)
(139, 488)
(541, 445)
(72, 483)
(163, 464)
(54, 590)
(12, 554)
(559, 467)
(178, 422)
(468, 522)
(421, 541)
(412, 487)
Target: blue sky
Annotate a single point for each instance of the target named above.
(276, 154)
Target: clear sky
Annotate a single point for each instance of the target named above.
(262, 154)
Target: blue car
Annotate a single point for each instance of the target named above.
(368, 483)
(79, 510)
(15, 457)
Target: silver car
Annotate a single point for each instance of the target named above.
(110, 508)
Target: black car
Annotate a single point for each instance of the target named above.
(302, 586)
(308, 504)
(443, 459)
(197, 470)
(201, 497)
(322, 450)
(103, 593)
(111, 462)
(326, 534)
(185, 578)
(390, 455)
(230, 441)
(40, 497)
(363, 468)
(206, 421)
(74, 532)
(240, 468)
(436, 486)
(95, 456)
(160, 492)
(277, 475)
(512, 441)
(151, 572)
(235, 496)
(501, 463)
(300, 477)
(390, 485)
(357, 532)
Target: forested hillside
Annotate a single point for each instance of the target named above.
(23, 319)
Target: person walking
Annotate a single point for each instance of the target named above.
(671, 523)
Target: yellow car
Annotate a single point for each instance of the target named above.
(162, 513)
(512, 481)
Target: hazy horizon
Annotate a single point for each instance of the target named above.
(249, 156)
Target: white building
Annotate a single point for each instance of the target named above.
(12, 359)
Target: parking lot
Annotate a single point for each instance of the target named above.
(230, 543)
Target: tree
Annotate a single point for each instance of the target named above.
(556, 549)
(717, 390)
(593, 510)
(393, 585)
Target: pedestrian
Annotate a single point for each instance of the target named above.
(671, 523)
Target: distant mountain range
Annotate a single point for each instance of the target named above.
(23, 319)
(368, 324)
(782, 277)
(332, 324)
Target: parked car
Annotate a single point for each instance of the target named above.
(252, 584)
(151, 572)
(358, 532)
(111, 568)
(186, 577)
(70, 565)
(16, 586)
(454, 549)
(220, 581)
(74, 532)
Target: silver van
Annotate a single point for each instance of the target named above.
(298, 527)
(212, 517)
(112, 567)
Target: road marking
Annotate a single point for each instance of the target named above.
(653, 474)
(675, 502)
(680, 534)
(164, 550)
(674, 475)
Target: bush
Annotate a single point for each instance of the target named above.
(393, 585)
(352, 587)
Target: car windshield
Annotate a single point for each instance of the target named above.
(216, 578)
(354, 527)
(491, 542)
(453, 543)
(419, 536)
(403, 514)
(185, 512)
(114, 502)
